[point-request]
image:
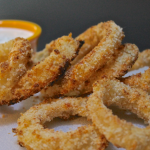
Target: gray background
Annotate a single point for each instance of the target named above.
(60, 17)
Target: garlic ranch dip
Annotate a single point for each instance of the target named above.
(7, 34)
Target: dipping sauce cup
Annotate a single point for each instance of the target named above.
(10, 29)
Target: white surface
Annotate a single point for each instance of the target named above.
(9, 142)
(7, 34)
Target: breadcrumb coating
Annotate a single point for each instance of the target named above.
(143, 60)
(40, 56)
(111, 36)
(17, 54)
(140, 80)
(91, 38)
(5, 49)
(64, 50)
(119, 64)
(119, 132)
(32, 135)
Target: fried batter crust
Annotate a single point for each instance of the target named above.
(111, 36)
(33, 135)
(119, 132)
(40, 56)
(64, 50)
(143, 60)
(119, 64)
(13, 66)
(91, 38)
(140, 80)
(5, 49)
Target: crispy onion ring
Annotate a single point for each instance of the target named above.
(143, 60)
(5, 49)
(13, 66)
(119, 132)
(32, 134)
(64, 50)
(111, 39)
(118, 66)
(111, 36)
(140, 80)
(91, 38)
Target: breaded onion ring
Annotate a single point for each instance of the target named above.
(13, 66)
(64, 50)
(140, 80)
(32, 135)
(91, 38)
(111, 36)
(118, 66)
(143, 60)
(111, 39)
(119, 132)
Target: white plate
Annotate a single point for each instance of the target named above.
(10, 114)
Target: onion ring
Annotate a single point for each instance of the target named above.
(64, 50)
(32, 134)
(118, 66)
(119, 132)
(91, 38)
(111, 38)
(13, 66)
(143, 60)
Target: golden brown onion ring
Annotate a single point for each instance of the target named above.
(143, 60)
(64, 50)
(32, 135)
(119, 132)
(16, 55)
(111, 36)
(40, 56)
(91, 38)
(119, 64)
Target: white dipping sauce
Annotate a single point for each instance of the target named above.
(7, 34)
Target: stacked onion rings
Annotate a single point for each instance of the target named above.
(98, 70)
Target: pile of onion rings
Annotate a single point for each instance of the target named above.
(119, 132)
(32, 134)
(21, 82)
(93, 63)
